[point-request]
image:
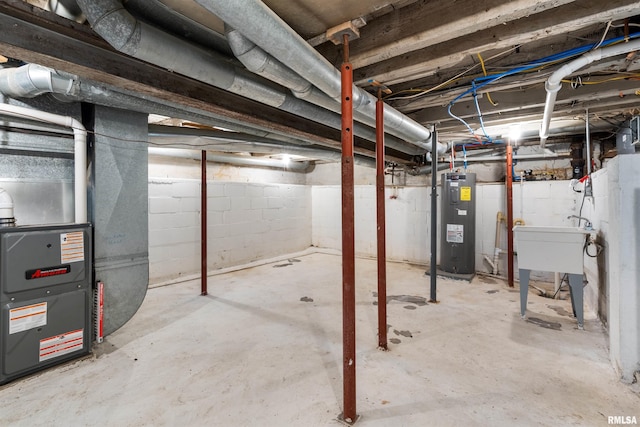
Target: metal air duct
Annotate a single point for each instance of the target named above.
(293, 166)
(142, 41)
(266, 29)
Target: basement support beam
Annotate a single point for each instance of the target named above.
(509, 184)
(203, 226)
(433, 273)
(381, 222)
(349, 415)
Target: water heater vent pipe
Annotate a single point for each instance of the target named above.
(80, 150)
(6, 209)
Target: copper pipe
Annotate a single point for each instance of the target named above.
(348, 244)
(382, 243)
(510, 215)
(203, 225)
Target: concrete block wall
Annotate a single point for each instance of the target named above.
(407, 221)
(246, 222)
(622, 241)
(535, 202)
(596, 209)
(408, 218)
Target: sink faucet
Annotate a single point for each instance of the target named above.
(587, 226)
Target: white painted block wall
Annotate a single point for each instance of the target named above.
(623, 244)
(596, 209)
(246, 222)
(408, 218)
(407, 221)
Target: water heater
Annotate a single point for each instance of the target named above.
(458, 223)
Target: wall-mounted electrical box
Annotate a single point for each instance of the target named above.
(45, 297)
(634, 124)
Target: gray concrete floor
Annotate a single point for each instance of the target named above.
(265, 349)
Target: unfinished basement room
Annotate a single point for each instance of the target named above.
(319, 213)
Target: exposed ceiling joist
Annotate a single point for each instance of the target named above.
(459, 44)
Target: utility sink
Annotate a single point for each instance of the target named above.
(548, 248)
(557, 249)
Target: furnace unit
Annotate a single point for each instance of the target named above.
(45, 297)
(458, 225)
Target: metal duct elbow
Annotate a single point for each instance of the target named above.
(32, 80)
(114, 24)
(6, 209)
(260, 62)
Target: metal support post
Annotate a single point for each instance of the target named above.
(433, 274)
(380, 208)
(203, 226)
(509, 185)
(348, 243)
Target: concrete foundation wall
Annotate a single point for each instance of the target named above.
(596, 209)
(408, 218)
(623, 243)
(246, 222)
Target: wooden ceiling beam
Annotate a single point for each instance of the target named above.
(427, 22)
(427, 61)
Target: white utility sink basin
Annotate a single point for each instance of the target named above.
(548, 248)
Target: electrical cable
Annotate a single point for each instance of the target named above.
(606, 30)
(460, 119)
(446, 82)
(484, 131)
(560, 287)
(484, 70)
(486, 80)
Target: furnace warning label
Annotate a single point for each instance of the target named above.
(60, 345)
(27, 317)
(465, 194)
(455, 233)
(72, 247)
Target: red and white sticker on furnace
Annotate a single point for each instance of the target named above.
(71, 247)
(61, 344)
(27, 317)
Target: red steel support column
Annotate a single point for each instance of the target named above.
(203, 225)
(348, 243)
(382, 241)
(510, 215)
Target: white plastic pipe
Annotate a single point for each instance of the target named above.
(6, 205)
(554, 83)
(80, 150)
